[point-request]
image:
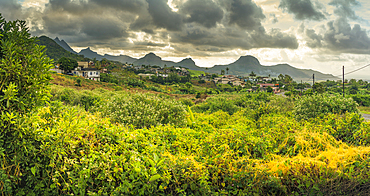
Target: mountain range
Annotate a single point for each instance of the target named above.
(242, 67)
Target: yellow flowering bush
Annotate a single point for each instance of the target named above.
(83, 153)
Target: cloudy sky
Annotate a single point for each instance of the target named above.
(323, 35)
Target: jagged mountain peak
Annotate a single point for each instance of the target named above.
(64, 44)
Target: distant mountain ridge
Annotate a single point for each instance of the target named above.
(91, 54)
(64, 45)
(242, 67)
(55, 51)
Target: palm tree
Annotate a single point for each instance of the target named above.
(252, 74)
(222, 72)
(227, 70)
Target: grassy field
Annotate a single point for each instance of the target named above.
(365, 110)
(194, 73)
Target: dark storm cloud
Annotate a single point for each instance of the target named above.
(64, 25)
(206, 26)
(246, 14)
(101, 29)
(133, 6)
(339, 37)
(163, 16)
(204, 12)
(10, 9)
(303, 9)
(82, 22)
(274, 39)
(231, 38)
(344, 8)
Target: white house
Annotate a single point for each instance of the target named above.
(87, 73)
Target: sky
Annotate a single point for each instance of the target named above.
(322, 35)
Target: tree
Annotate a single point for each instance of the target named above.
(67, 64)
(227, 70)
(353, 89)
(24, 77)
(281, 78)
(288, 79)
(24, 68)
(98, 65)
(222, 72)
(188, 85)
(319, 88)
(269, 89)
(252, 74)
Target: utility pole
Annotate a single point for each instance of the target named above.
(343, 81)
(313, 83)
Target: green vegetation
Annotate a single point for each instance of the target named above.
(67, 64)
(103, 142)
(322, 104)
(24, 70)
(195, 73)
(54, 51)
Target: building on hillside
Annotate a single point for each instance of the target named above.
(146, 75)
(83, 70)
(275, 87)
(238, 83)
(56, 69)
(83, 64)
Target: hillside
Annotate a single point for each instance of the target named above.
(121, 58)
(55, 51)
(152, 59)
(246, 64)
(64, 45)
(242, 67)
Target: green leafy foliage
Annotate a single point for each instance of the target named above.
(142, 110)
(362, 100)
(24, 75)
(24, 69)
(67, 64)
(121, 143)
(321, 104)
(218, 153)
(55, 52)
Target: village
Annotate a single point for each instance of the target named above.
(89, 71)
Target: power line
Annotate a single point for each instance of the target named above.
(354, 70)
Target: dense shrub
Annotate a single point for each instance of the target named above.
(362, 100)
(350, 128)
(220, 154)
(216, 104)
(84, 98)
(24, 75)
(321, 104)
(142, 110)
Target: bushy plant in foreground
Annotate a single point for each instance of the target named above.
(142, 110)
(24, 74)
(81, 153)
(319, 105)
(216, 104)
(362, 100)
(84, 98)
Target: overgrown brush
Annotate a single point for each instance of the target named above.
(86, 154)
(142, 110)
(319, 105)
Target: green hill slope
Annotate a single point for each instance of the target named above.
(55, 51)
